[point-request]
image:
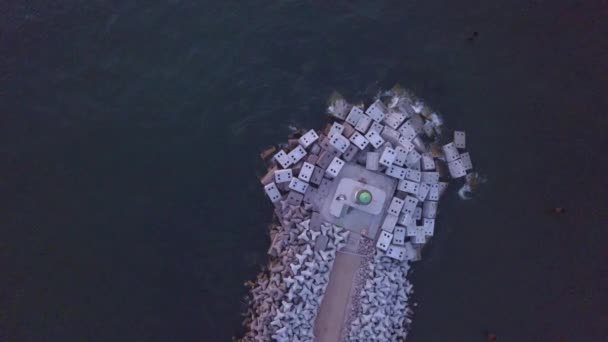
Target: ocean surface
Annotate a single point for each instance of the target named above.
(129, 139)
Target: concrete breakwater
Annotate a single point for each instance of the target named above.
(383, 313)
(355, 204)
(285, 299)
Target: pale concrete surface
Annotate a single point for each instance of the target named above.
(336, 301)
(356, 220)
(352, 244)
(330, 318)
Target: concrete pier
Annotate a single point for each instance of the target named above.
(356, 203)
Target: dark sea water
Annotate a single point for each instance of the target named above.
(129, 135)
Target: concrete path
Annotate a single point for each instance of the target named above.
(333, 309)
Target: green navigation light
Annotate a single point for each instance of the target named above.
(364, 197)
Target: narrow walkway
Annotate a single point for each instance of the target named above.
(331, 315)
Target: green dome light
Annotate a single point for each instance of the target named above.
(364, 197)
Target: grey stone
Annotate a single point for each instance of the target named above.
(350, 153)
(312, 159)
(296, 168)
(325, 159)
(292, 143)
(315, 221)
(348, 130)
(321, 243)
(294, 198)
(324, 144)
(390, 135)
(310, 195)
(317, 176)
(283, 187)
(416, 121)
(325, 187)
(268, 177)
